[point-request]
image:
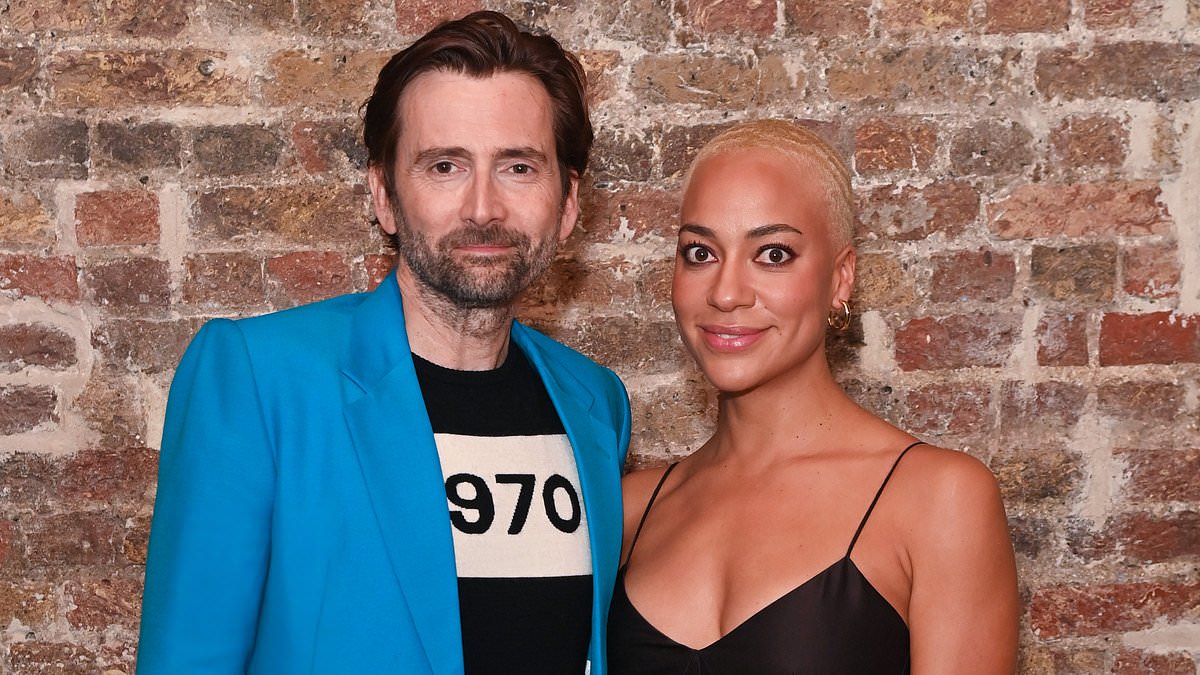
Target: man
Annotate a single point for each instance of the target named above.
(406, 481)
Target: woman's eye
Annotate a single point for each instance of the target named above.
(775, 255)
(696, 254)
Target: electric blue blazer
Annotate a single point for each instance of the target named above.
(301, 523)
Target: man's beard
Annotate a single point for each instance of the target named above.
(475, 281)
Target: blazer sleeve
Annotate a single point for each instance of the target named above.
(210, 532)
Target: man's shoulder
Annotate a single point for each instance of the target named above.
(304, 321)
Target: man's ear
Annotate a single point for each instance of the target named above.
(844, 266)
(379, 199)
(570, 208)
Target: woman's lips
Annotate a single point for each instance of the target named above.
(730, 338)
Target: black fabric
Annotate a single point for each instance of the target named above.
(534, 624)
(836, 622)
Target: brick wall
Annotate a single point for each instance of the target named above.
(1029, 292)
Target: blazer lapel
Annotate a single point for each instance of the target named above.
(595, 443)
(390, 430)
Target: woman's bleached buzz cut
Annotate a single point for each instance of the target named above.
(802, 146)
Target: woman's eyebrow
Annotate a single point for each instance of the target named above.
(773, 228)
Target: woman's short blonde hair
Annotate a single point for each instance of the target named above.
(804, 147)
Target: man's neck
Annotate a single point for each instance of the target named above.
(453, 336)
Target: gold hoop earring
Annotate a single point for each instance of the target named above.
(839, 321)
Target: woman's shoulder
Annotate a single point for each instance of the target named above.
(639, 484)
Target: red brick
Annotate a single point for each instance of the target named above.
(1083, 611)
(813, 17)
(1157, 475)
(129, 283)
(215, 281)
(1144, 71)
(109, 476)
(53, 147)
(108, 79)
(654, 283)
(907, 213)
(334, 19)
(25, 407)
(1038, 659)
(235, 16)
(18, 67)
(325, 146)
(948, 408)
(30, 481)
(138, 147)
(64, 540)
(572, 282)
(883, 281)
(627, 345)
(61, 17)
(323, 78)
(1083, 209)
(600, 66)
(956, 341)
(707, 80)
(670, 416)
(1043, 406)
(311, 215)
(1032, 474)
(1158, 337)
(1027, 16)
(137, 540)
(1078, 275)
(1133, 662)
(1141, 402)
(111, 405)
(414, 17)
(929, 74)
(679, 145)
(308, 276)
(991, 147)
(141, 345)
(47, 278)
(163, 19)
(116, 217)
(103, 602)
(1151, 272)
(1110, 13)
(1096, 140)
(377, 267)
(717, 16)
(1062, 340)
(31, 344)
(1148, 538)
(894, 144)
(620, 154)
(40, 657)
(981, 275)
(925, 15)
(24, 221)
(29, 602)
(235, 149)
(629, 215)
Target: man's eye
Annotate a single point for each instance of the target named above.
(522, 169)
(443, 167)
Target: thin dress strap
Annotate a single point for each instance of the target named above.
(653, 496)
(878, 494)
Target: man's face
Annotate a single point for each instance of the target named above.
(479, 209)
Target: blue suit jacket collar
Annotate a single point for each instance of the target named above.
(393, 439)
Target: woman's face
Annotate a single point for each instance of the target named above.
(756, 269)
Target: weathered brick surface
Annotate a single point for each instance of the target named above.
(116, 217)
(1024, 171)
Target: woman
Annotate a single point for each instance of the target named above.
(807, 535)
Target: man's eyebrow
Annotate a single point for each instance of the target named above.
(526, 152)
(430, 154)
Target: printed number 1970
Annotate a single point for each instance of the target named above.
(478, 498)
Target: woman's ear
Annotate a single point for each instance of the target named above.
(844, 265)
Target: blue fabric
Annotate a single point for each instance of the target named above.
(301, 523)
